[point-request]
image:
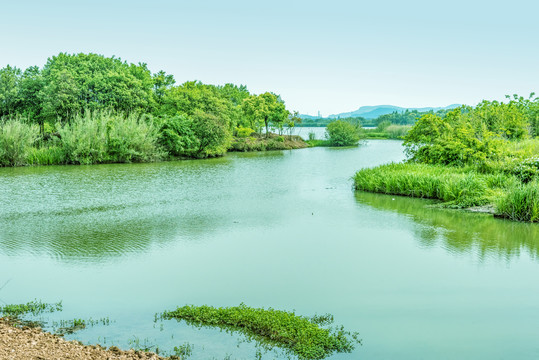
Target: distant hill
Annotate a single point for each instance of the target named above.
(372, 112)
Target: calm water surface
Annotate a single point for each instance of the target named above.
(275, 229)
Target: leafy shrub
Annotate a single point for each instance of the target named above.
(451, 141)
(243, 131)
(299, 335)
(176, 136)
(343, 133)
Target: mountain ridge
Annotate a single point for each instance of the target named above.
(373, 111)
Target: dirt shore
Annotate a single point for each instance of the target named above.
(34, 344)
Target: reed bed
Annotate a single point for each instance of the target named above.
(456, 187)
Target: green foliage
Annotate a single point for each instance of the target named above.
(452, 140)
(387, 131)
(397, 131)
(383, 125)
(183, 351)
(197, 120)
(521, 202)
(46, 155)
(257, 142)
(265, 110)
(102, 137)
(74, 83)
(457, 187)
(243, 132)
(16, 140)
(176, 136)
(297, 334)
(35, 308)
(10, 78)
(343, 133)
(212, 133)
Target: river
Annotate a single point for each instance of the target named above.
(277, 229)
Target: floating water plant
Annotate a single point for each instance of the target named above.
(298, 335)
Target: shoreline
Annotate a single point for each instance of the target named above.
(33, 343)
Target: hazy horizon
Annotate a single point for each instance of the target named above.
(331, 58)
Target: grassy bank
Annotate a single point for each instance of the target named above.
(459, 187)
(108, 137)
(456, 187)
(261, 142)
(488, 154)
(386, 131)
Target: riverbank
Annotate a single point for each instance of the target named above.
(261, 142)
(503, 193)
(33, 343)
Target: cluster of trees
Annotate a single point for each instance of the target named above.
(194, 119)
(408, 117)
(472, 135)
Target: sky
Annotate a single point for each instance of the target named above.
(330, 56)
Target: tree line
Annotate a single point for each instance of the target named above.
(191, 119)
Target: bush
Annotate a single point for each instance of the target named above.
(342, 133)
(521, 202)
(102, 137)
(16, 139)
(243, 132)
(176, 136)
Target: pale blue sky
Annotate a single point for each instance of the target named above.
(332, 56)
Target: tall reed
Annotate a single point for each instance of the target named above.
(16, 138)
(521, 202)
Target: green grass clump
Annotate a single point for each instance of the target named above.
(106, 137)
(16, 138)
(521, 202)
(318, 142)
(35, 308)
(47, 155)
(298, 335)
(457, 187)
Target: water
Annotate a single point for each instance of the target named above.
(303, 131)
(275, 229)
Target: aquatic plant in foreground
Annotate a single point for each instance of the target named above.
(299, 335)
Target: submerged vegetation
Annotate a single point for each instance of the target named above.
(486, 154)
(301, 336)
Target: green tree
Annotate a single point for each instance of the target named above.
(73, 83)
(264, 110)
(10, 78)
(343, 133)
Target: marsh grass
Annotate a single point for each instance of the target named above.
(89, 138)
(255, 142)
(298, 335)
(106, 137)
(521, 202)
(456, 187)
(16, 138)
